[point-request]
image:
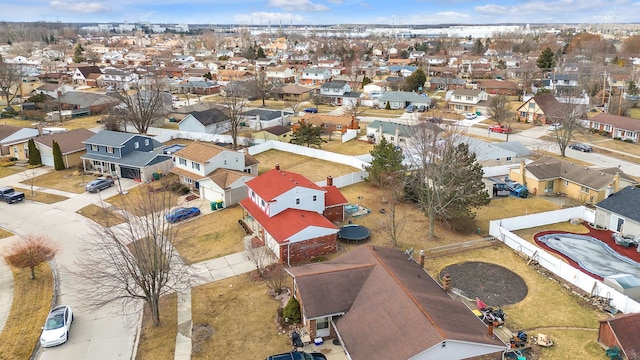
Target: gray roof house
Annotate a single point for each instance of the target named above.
(619, 212)
(258, 119)
(500, 153)
(131, 156)
(402, 99)
(397, 133)
(211, 121)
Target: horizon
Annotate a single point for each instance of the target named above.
(324, 12)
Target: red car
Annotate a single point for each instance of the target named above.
(500, 129)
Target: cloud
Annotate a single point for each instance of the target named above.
(337, 2)
(81, 7)
(450, 15)
(297, 5)
(264, 17)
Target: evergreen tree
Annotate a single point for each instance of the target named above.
(416, 80)
(34, 154)
(77, 54)
(547, 60)
(260, 53)
(366, 80)
(386, 164)
(308, 135)
(58, 162)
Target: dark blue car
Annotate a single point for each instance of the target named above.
(311, 110)
(181, 214)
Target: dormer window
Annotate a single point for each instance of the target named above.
(136, 145)
(110, 149)
(94, 147)
(315, 197)
(298, 201)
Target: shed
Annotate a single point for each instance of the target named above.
(624, 283)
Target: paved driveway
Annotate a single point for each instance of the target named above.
(104, 334)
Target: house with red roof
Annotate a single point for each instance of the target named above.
(292, 215)
(622, 127)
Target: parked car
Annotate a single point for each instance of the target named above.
(500, 129)
(410, 108)
(10, 195)
(422, 108)
(555, 127)
(99, 184)
(470, 116)
(311, 110)
(181, 214)
(298, 355)
(581, 147)
(56, 328)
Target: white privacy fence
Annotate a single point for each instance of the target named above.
(502, 230)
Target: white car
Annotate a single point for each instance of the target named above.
(56, 329)
(555, 127)
(470, 116)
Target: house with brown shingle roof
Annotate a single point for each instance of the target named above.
(330, 123)
(622, 127)
(541, 108)
(71, 145)
(467, 100)
(383, 306)
(498, 87)
(549, 176)
(621, 331)
(215, 173)
(81, 74)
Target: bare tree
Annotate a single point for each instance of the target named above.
(135, 260)
(395, 219)
(294, 104)
(567, 118)
(234, 100)
(355, 110)
(32, 251)
(30, 177)
(142, 103)
(264, 86)
(259, 256)
(11, 76)
(276, 278)
(500, 112)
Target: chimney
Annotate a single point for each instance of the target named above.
(616, 182)
(329, 181)
(39, 126)
(278, 166)
(522, 170)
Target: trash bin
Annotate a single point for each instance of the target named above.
(213, 205)
(156, 176)
(220, 203)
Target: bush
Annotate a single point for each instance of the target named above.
(617, 138)
(291, 311)
(464, 225)
(628, 140)
(388, 106)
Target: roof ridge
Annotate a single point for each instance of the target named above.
(329, 271)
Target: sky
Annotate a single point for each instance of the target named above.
(321, 12)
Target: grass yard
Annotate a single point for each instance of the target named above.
(313, 169)
(138, 197)
(548, 305)
(22, 330)
(240, 316)
(69, 180)
(211, 236)
(351, 147)
(9, 170)
(158, 343)
(40, 196)
(4, 233)
(634, 113)
(101, 215)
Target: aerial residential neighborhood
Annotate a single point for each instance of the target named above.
(295, 189)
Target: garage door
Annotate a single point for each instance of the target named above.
(129, 172)
(47, 160)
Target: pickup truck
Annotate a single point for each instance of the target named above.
(9, 195)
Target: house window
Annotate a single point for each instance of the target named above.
(508, 158)
(146, 142)
(392, 138)
(532, 106)
(459, 107)
(338, 127)
(225, 162)
(566, 183)
(136, 145)
(183, 162)
(298, 201)
(187, 180)
(195, 165)
(94, 147)
(549, 187)
(584, 189)
(315, 197)
(252, 193)
(457, 97)
(110, 149)
(262, 203)
(469, 98)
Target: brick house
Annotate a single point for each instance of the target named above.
(498, 87)
(293, 216)
(540, 108)
(330, 123)
(622, 127)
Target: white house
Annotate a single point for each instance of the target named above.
(211, 121)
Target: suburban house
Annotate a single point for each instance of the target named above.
(81, 74)
(369, 285)
(466, 101)
(621, 127)
(277, 133)
(84, 103)
(619, 212)
(281, 74)
(116, 78)
(294, 93)
(558, 84)
(397, 133)
(293, 216)
(540, 108)
(447, 83)
(621, 331)
(234, 75)
(257, 119)
(53, 90)
(210, 121)
(70, 143)
(330, 123)
(200, 87)
(498, 153)
(213, 172)
(498, 87)
(131, 156)
(402, 99)
(315, 76)
(548, 175)
(13, 141)
(338, 92)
